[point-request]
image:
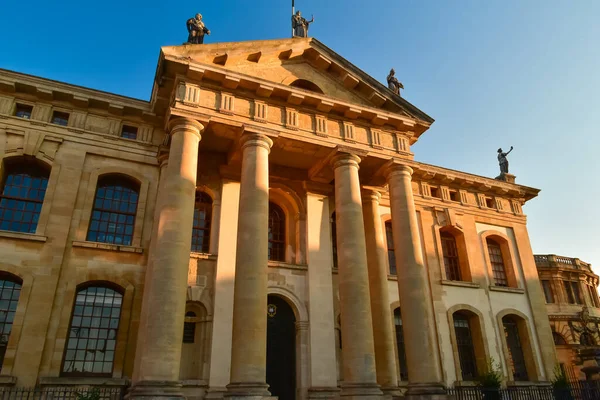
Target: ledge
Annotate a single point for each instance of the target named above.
(507, 289)
(279, 264)
(74, 381)
(194, 383)
(203, 256)
(108, 247)
(8, 380)
(466, 384)
(527, 384)
(23, 236)
(464, 284)
(392, 277)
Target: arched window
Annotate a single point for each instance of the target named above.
(515, 349)
(558, 339)
(113, 215)
(202, 216)
(90, 349)
(497, 261)
(400, 345)
(585, 339)
(306, 85)
(334, 240)
(466, 349)
(389, 236)
(189, 328)
(23, 190)
(10, 290)
(451, 260)
(276, 233)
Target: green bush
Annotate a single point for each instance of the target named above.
(93, 394)
(492, 377)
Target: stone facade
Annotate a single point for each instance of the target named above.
(291, 172)
(571, 292)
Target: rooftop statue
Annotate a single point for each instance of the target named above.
(393, 83)
(503, 161)
(300, 25)
(196, 30)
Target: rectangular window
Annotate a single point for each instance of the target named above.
(489, 202)
(548, 291)
(569, 292)
(60, 118)
(129, 132)
(390, 246)
(23, 111)
(435, 192)
(450, 253)
(454, 196)
(576, 292)
(593, 296)
(495, 253)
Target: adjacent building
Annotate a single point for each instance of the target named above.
(262, 220)
(571, 292)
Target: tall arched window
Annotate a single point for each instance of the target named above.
(389, 236)
(90, 349)
(466, 349)
(451, 260)
(558, 339)
(202, 216)
(115, 206)
(497, 261)
(400, 345)
(10, 290)
(23, 190)
(334, 240)
(189, 327)
(585, 339)
(515, 349)
(276, 233)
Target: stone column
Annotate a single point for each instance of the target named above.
(383, 332)
(249, 344)
(161, 325)
(358, 351)
(323, 368)
(417, 314)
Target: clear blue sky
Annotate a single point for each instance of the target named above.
(492, 73)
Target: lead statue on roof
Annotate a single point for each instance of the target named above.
(196, 30)
(503, 161)
(393, 83)
(300, 24)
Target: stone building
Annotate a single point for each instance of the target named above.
(571, 292)
(221, 236)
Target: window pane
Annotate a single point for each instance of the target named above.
(334, 240)
(9, 292)
(93, 307)
(450, 253)
(464, 343)
(548, 291)
(400, 345)
(189, 332)
(498, 269)
(276, 233)
(202, 219)
(114, 212)
(21, 197)
(389, 235)
(515, 350)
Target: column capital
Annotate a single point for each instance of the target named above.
(302, 325)
(399, 169)
(256, 139)
(343, 159)
(185, 124)
(370, 195)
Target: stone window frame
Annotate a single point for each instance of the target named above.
(144, 182)
(16, 103)
(461, 246)
(478, 332)
(202, 321)
(526, 338)
(60, 110)
(54, 173)
(9, 270)
(295, 223)
(395, 305)
(508, 256)
(387, 219)
(113, 280)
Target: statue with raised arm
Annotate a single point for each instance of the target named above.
(393, 83)
(300, 24)
(196, 30)
(503, 161)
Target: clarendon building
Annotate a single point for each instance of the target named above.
(259, 226)
(571, 292)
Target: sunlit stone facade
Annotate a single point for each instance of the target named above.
(260, 221)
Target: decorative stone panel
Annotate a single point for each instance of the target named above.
(77, 119)
(376, 138)
(145, 133)
(41, 112)
(403, 143)
(260, 111)
(227, 103)
(291, 118)
(349, 133)
(6, 105)
(499, 204)
(464, 197)
(425, 189)
(481, 200)
(188, 94)
(321, 125)
(516, 207)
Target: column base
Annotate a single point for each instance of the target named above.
(426, 391)
(247, 391)
(361, 391)
(156, 390)
(215, 393)
(391, 392)
(323, 393)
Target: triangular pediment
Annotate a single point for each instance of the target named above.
(303, 63)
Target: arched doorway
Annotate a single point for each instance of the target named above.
(281, 349)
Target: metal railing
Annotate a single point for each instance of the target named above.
(62, 393)
(581, 390)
